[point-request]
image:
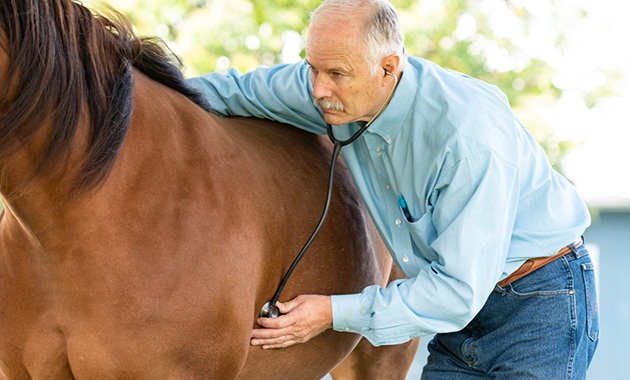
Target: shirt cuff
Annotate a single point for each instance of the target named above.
(346, 313)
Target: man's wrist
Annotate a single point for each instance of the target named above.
(329, 314)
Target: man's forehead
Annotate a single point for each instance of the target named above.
(336, 26)
(336, 48)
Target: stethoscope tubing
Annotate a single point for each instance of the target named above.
(335, 155)
(270, 310)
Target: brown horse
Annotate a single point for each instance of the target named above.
(141, 234)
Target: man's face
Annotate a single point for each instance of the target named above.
(344, 86)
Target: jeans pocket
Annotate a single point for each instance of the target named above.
(552, 279)
(592, 310)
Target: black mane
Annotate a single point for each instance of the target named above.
(65, 63)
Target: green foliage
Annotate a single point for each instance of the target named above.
(212, 35)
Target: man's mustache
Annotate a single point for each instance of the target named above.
(328, 104)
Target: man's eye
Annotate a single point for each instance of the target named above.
(336, 74)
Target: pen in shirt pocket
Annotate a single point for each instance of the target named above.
(405, 209)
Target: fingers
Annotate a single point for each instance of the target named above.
(277, 323)
(276, 338)
(286, 307)
(278, 332)
(273, 326)
(286, 319)
(279, 337)
(304, 317)
(286, 343)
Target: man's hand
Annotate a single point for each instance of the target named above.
(305, 316)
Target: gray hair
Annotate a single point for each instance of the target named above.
(380, 26)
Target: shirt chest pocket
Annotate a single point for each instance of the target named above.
(423, 233)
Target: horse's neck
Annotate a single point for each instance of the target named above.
(167, 134)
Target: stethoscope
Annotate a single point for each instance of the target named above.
(269, 309)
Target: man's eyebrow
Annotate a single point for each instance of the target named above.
(340, 69)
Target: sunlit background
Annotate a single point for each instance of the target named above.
(564, 65)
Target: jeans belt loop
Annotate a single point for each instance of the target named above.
(532, 264)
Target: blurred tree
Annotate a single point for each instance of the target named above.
(493, 40)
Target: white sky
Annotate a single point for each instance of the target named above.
(594, 44)
(600, 168)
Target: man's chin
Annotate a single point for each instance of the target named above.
(336, 118)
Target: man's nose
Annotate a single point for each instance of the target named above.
(321, 87)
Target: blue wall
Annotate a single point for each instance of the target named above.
(610, 232)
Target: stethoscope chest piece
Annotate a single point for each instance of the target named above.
(269, 311)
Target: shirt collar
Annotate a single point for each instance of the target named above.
(391, 120)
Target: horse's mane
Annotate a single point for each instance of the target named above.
(66, 63)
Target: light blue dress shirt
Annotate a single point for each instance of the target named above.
(481, 195)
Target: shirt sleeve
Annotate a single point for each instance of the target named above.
(473, 212)
(282, 93)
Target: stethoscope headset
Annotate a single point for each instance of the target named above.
(269, 309)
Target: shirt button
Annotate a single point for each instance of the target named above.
(347, 329)
(389, 139)
(398, 221)
(388, 187)
(406, 259)
(378, 150)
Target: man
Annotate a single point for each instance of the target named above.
(459, 191)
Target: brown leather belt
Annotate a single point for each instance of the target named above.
(532, 264)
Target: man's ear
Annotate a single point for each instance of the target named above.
(390, 64)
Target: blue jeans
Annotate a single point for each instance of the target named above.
(542, 326)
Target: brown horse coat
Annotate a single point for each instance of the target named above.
(158, 270)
